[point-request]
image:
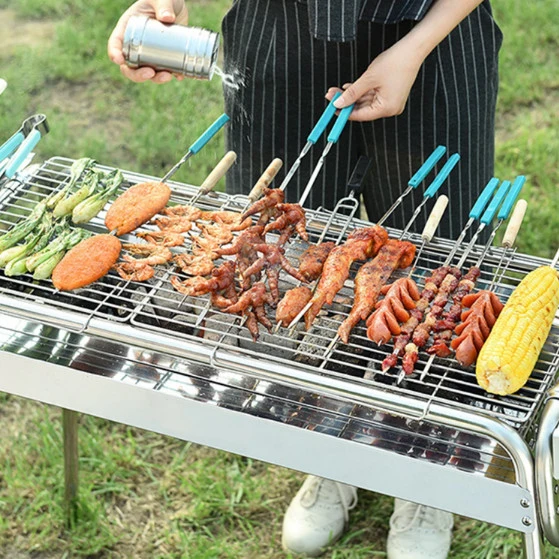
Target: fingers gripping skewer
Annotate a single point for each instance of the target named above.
(198, 145)
(215, 176)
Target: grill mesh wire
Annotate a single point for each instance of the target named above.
(156, 306)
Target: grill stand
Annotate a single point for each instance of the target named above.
(103, 395)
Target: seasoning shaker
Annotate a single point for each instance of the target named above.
(190, 51)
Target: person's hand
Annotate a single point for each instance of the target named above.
(166, 11)
(384, 88)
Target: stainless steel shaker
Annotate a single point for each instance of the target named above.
(190, 51)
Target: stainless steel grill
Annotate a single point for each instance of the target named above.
(148, 336)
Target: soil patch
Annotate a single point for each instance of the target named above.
(16, 32)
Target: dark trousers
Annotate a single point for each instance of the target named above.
(286, 74)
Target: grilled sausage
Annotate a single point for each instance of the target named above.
(138, 204)
(87, 262)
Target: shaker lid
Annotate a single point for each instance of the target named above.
(132, 41)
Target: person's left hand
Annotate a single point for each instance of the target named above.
(384, 88)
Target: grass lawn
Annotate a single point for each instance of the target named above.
(144, 495)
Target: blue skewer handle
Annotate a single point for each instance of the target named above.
(481, 202)
(323, 121)
(441, 177)
(511, 197)
(339, 124)
(9, 146)
(23, 151)
(491, 210)
(209, 134)
(426, 168)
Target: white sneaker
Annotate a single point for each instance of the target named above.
(317, 515)
(418, 532)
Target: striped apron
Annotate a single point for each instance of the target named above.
(286, 71)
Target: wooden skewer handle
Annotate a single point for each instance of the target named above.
(514, 223)
(218, 172)
(266, 178)
(434, 218)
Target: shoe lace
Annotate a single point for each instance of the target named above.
(347, 504)
(411, 515)
(314, 484)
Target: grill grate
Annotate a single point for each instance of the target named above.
(156, 306)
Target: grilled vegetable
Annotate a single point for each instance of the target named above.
(23, 228)
(76, 170)
(87, 262)
(138, 204)
(67, 205)
(509, 355)
(92, 205)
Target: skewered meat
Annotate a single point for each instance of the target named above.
(134, 271)
(291, 215)
(173, 223)
(371, 277)
(220, 279)
(136, 206)
(165, 238)
(360, 245)
(443, 328)
(312, 260)
(193, 264)
(272, 197)
(87, 262)
(253, 301)
(392, 310)
(292, 304)
(190, 212)
(484, 308)
(428, 293)
(219, 233)
(420, 335)
(272, 261)
(233, 220)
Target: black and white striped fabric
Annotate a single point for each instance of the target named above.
(287, 72)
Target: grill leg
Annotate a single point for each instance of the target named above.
(70, 432)
(533, 545)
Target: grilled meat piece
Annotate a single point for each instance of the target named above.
(164, 238)
(484, 308)
(312, 260)
(141, 269)
(292, 304)
(87, 262)
(193, 264)
(291, 215)
(272, 197)
(443, 328)
(371, 277)
(220, 279)
(360, 245)
(173, 223)
(231, 219)
(190, 212)
(136, 206)
(392, 311)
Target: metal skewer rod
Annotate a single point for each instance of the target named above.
(215, 176)
(198, 145)
(508, 241)
(312, 138)
(415, 180)
(428, 231)
(333, 137)
(433, 188)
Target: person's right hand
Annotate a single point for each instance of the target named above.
(166, 11)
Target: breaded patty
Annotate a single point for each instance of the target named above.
(87, 262)
(136, 206)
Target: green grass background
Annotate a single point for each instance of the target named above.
(142, 494)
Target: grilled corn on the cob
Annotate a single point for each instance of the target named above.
(509, 355)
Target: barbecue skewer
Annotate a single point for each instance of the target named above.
(487, 217)
(215, 176)
(428, 232)
(508, 241)
(312, 138)
(432, 188)
(197, 145)
(333, 137)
